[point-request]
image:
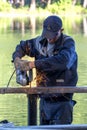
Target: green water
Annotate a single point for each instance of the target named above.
(14, 106)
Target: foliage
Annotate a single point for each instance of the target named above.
(56, 7)
(59, 6)
(65, 7)
(4, 6)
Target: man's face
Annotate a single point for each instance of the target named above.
(53, 40)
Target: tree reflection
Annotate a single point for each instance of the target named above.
(24, 24)
(85, 26)
(34, 24)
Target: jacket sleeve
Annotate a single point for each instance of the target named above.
(61, 61)
(24, 48)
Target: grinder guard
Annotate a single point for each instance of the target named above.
(24, 77)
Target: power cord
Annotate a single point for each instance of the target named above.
(10, 78)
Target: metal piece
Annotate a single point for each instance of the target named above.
(32, 109)
(30, 75)
(43, 90)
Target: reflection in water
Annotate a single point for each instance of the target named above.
(18, 24)
(33, 24)
(76, 25)
(85, 26)
(11, 32)
(23, 25)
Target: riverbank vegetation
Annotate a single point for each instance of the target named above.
(62, 7)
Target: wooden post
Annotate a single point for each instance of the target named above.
(32, 109)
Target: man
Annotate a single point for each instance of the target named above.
(56, 65)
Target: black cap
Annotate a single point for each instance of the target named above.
(51, 26)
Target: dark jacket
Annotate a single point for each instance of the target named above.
(57, 67)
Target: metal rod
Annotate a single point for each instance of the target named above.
(61, 127)
(47, 127)
(32, 110)
(43, 90)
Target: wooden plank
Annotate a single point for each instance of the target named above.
(47, 127)
(43, 90)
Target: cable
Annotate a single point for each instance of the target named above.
(10, 78)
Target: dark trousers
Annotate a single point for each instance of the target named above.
(56, 112)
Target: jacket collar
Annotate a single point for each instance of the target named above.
(43, 42)
(58, 43)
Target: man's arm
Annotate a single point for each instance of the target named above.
(63, 60)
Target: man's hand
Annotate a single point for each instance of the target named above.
(17, 61)
(23, 64)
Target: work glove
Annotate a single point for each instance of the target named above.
(21, 64)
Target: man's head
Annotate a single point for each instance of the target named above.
(51, 27)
